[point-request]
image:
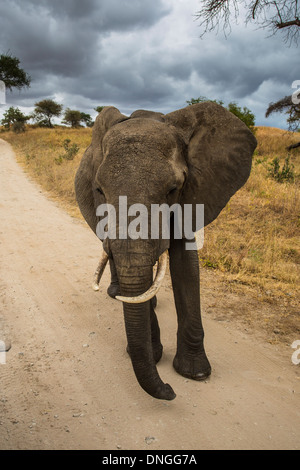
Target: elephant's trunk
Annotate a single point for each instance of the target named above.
(134, 279)
(152, 291)
(138, 331)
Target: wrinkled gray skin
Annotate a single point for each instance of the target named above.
(198, 155)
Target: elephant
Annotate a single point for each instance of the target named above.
(200, 154)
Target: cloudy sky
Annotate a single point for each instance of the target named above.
(136, 54)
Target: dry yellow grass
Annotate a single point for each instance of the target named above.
(256, 237)
(272, 142)
(254, 241)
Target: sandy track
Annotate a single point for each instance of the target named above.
(68, 382)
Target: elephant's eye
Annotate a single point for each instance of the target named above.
(172, 190)
(99, 190)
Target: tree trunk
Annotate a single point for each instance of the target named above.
(293, 146)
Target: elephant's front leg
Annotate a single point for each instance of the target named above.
(190, 360)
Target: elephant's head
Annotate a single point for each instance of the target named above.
(198, 155)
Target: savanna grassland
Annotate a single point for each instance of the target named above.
(254, 243)
(256, 237)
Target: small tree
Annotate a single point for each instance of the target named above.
(72, 117)
(202, 99)
(99, 109)
(282, 175)
(45, 110)
(12, 74)
(244, 114)
(14, 119)
(87, 119)
(292, 109)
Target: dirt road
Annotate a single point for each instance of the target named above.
(68, 383)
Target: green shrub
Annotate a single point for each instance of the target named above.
(284, 174)
(70, 152)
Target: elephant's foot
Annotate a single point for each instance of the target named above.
(114, 289)
(196, 368)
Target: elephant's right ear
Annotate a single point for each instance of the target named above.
(219, 155)
(85, 190)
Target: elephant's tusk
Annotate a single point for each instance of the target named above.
(152, 291)
(100, 270)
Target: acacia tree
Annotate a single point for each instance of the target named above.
(14, 119)
(273, 15)
(45, 110)
(12, 74)
(72, 117)
(98, 109)
(87, 119)
(291, 107)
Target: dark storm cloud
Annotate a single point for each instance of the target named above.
(60, 43)
(62, 37)
(104, 15)
(137, 54)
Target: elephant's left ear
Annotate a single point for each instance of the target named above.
(219, 155)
